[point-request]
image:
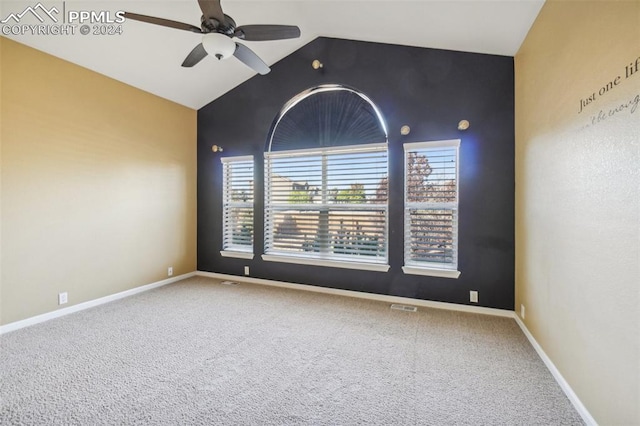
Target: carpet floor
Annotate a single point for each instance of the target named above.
(199, 352)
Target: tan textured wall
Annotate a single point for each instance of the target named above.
(98, 185)
(577, 199)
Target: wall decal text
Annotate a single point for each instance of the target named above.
(629, 70)
(631, 106)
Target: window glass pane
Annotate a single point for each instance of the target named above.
(239, 224)
(295, 180)
(431, 236)
(355, 178)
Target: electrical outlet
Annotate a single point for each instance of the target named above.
(246, 270)
(473, 296)
(522, 311)
(170, 271)
(62, 298)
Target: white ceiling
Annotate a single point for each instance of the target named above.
(149, 57)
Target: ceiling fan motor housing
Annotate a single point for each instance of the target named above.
(212, 25)
(218, 45)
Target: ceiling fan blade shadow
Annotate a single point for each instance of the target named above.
(212, 9)
(267, 32)
(196, 55)
(163, 22)
(249, 58)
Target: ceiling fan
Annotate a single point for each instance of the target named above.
(218, 30)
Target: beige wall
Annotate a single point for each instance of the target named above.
(98, 184)
(577, 199)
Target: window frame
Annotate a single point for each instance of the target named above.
(237, 251)
(323, 258)
(435, 269)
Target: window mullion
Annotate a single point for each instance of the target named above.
(323, 227)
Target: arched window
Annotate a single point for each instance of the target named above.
(326, 174)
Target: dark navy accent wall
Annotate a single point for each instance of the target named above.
(431, 91)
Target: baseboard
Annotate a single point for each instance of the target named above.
(90, 304)
(578, 405)
(362, 295)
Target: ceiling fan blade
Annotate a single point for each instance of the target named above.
(197, 54)
(249, 58)
(212, 9)
(267, 32)
(161, 21)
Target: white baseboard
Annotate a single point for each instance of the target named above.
(578, 405)
(90, 304)
(362, 295)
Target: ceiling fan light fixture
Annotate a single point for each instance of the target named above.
(218, 30)
(218, 45)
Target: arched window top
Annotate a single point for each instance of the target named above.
(325, 116)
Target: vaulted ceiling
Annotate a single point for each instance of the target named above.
(149, 57)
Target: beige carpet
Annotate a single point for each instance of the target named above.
(198, 352)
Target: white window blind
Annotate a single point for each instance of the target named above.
(237, 204)
(328, 204)
(431, 205)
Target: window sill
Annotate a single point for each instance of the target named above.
(329, 263)
(236, 254)
(444, 273)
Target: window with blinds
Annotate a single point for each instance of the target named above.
(431, 207)
(237, 205)
(327, 206)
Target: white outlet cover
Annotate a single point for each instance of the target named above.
(62, 298)
(170, 270)
(473, 296)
